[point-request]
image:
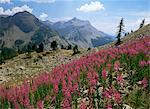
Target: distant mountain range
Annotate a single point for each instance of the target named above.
(23, 27)
(80, 32)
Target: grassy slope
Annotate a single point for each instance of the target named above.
(20, 67)
(145, 31)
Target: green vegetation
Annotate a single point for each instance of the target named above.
(7, 53)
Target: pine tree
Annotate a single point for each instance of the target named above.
(142, 23)
(1, 53)
(125, 34)
(75, 50)
(54, 45)
(41, 47)
(121, 29)
(69, 47)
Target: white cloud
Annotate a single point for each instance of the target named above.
(4, 1)
(40, 1)
(43, 16)
(93, 6)
(15, 10)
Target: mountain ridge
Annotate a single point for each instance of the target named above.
(26, 27)
(81, 32)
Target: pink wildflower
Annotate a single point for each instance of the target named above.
(67, 94)
(144, 82)
(106, 94)
(109, 65)
(109, 106)
(83, 105)
(119, 78)
(104, 74)
(56, 88)
(40, 104)
(93, 82)
(117, 97)
(66, 104)
(16, 105)
(142, 63)
(116, 65)
(148, 62)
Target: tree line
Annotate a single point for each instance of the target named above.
(8, 53)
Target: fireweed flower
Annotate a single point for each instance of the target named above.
(144, 82)
(119, 79)
(16, 105)
(40, 104)
(106, 94)
(66, 104)
(116, 65)
(142, 63)
(109, 106)
(109, 65)
(56, 88)
(83, 105)
(117, 97)
(104, 74)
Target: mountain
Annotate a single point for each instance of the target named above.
(81, 33)
(22, 28)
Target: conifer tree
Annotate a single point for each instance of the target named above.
(54, 45)
(121, 29)
(142, 23)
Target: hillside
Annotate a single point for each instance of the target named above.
(111, 78)
(145, 31)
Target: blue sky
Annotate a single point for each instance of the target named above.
(103, 14)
